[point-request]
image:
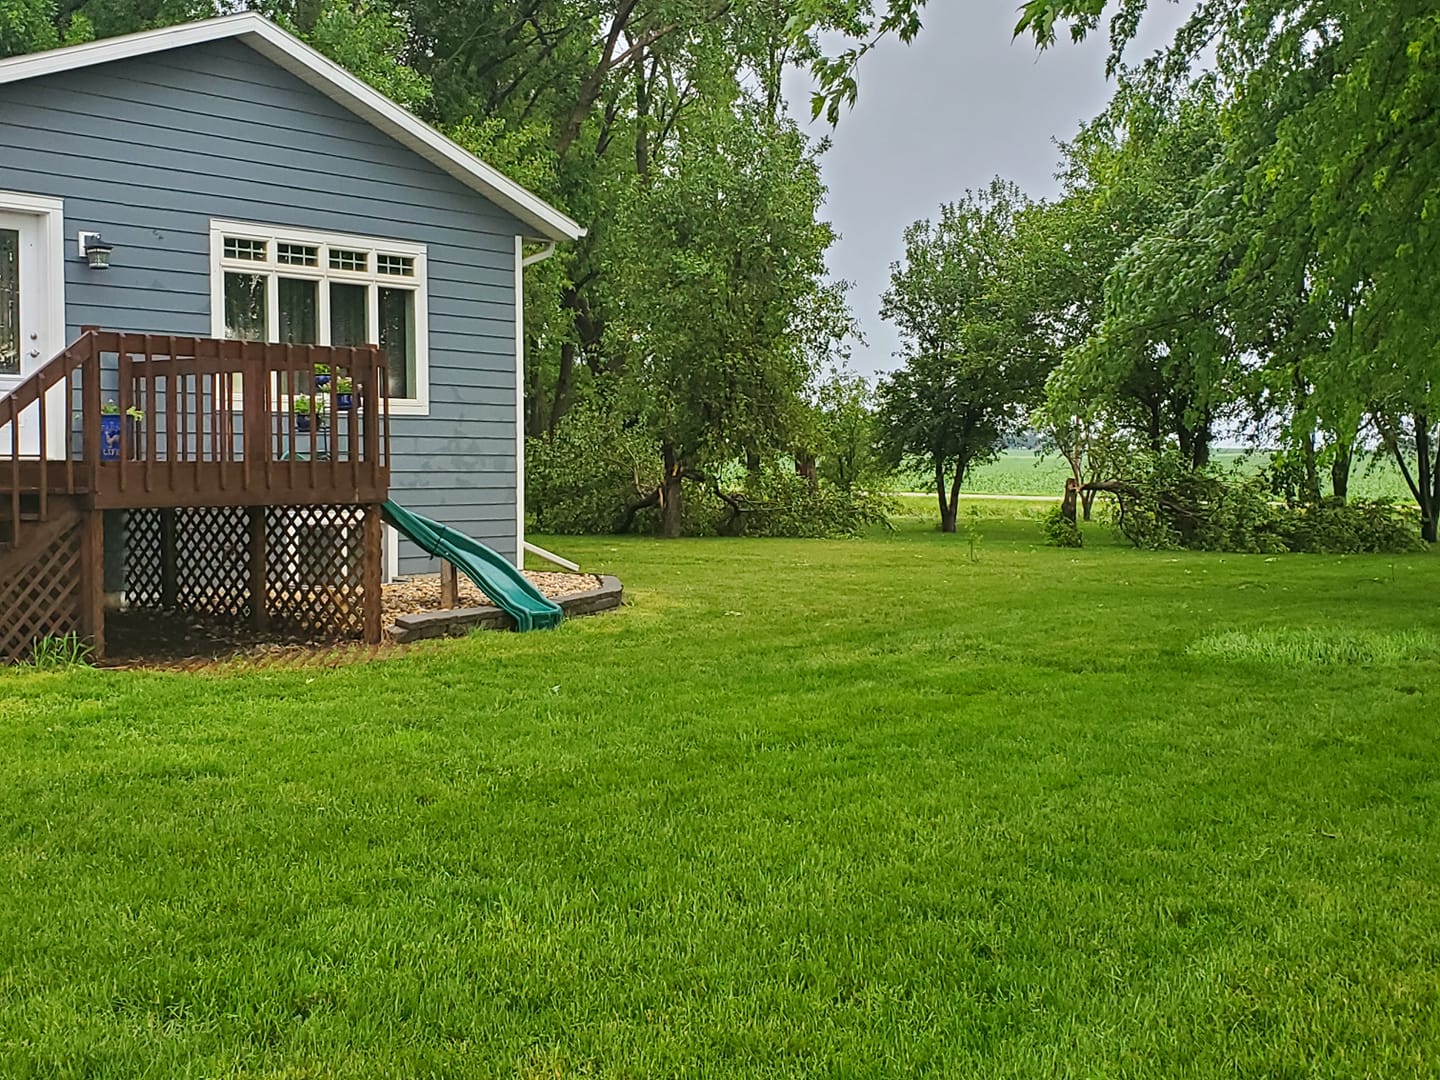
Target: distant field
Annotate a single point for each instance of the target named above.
(1023, 472)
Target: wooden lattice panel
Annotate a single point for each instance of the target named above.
(315, 568)
(144, 576)
(43, 597)
(212, 562)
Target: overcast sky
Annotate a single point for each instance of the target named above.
(961, 105)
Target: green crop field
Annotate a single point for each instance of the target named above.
(914, 805)
(1024, 472)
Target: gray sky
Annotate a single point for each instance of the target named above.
(959, 106)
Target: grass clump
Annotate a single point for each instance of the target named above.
(59, 651)
(1309, 647)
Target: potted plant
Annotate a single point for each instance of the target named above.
(110, 430)
(303, 406)
(344, 392)
(322, 376)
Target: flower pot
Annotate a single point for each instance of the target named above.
(344, 400)
(322, 381)
(110, 437)
(302, 422)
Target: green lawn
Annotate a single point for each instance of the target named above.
(842, 809)
(1023, 472)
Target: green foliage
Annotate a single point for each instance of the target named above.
(1165, 504)
(779, 502)
(26, 26)
(50, 653)
(846, 432)
(581, 478)
(969, 369)
(1062, 532)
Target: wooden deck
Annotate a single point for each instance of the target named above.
(293, 439)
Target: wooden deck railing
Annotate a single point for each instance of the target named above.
(197, 422)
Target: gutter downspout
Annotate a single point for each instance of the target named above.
(522, 261)
(540, 256)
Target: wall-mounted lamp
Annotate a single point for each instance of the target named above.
(95, 251)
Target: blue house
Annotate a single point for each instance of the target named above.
(215, 211)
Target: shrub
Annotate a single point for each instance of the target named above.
(779, 502)
(1165, 504)
(1061, 532)
(581, 478)
(1361, 526)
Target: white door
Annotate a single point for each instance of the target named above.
(24, 328)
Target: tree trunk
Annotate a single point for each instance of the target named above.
(1427, 479)
(950, 510)
(1087, 504)
(672, 496)
(1067, 505)
(947, 514)
(564, 385)
(805, 466)
(1340, 473)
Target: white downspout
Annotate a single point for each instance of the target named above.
(521, 262)
(539, 256)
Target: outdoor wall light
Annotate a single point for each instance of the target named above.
(95, 251)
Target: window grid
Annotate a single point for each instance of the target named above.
(354, 261)
(297, 254)
(238, 247)
(395, 265)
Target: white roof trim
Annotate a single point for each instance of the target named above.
(331, 80)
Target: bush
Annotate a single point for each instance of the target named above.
(581, 478)
(779, 502)
(1061, 532)
(1164, 504)
(1361, 526)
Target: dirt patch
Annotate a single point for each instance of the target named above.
(422, 592)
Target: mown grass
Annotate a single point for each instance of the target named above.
(841, 809)
(1302, 647)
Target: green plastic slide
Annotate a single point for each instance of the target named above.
(501, 582)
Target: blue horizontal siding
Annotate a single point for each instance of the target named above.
(149, 151)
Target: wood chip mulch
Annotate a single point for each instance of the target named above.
(412, 595)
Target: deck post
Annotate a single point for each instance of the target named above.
(259, 562)
(371, 589)
(169, 571)
(449, 585)
(92, 580)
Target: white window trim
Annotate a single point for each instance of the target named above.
(276, 234)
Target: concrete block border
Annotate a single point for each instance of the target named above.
(434, 624)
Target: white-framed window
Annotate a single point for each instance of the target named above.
(292, 286)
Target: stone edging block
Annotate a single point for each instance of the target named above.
(433, 624)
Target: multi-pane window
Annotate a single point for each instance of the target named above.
(308, 289)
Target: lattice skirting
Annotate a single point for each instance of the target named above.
(200, 559)
(42, 598)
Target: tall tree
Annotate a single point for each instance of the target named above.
(968, 371)
(719, 260)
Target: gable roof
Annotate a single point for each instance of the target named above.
(330, 79)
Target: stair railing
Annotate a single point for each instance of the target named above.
(52, 414)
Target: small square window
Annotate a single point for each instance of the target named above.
(355, 261)
(297, 255)
(238, 247)
(395, 265)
